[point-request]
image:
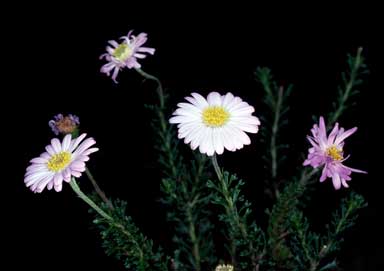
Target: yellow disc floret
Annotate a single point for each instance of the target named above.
(59, 161)
(215, 116)
(335, 153)
(122, 52)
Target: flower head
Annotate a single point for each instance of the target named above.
(64, 125)
(125, 54)
(327, 151)
(224, 267)
(215, 123)
(61, 161)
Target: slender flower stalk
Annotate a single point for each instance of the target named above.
(98, 189)
(75, 187)
(159, 89)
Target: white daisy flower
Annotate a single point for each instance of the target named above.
(215, 123)
(61, 161)
(224, 267)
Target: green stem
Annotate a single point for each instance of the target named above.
(97, 189)
(232, 212)
(163, 122)
(275, 128)
(229, 207)
(348, 86)
(324, 250)
(306, 176)
(217, 169)
(194, 240)
(160, 91)
(75, 187)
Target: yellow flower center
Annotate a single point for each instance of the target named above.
(59, 161)
(335, 153)
(122, 52)
(215, 116)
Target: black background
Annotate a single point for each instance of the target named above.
(54, 53)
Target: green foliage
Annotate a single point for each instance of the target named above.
(311, 249)
(287, 242)
(185, 195)
(279, 226)
(122, 239)
(247, 239)
(351, 79)
(275, 118)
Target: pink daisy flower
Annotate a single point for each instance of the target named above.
(61, 161)
(327, 151)
(125, 54)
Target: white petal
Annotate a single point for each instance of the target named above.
(182, 119)
(227, 99)
(209, 142)
(235, 101)
(66, 142)
(243, 137)
(250, 128)
(217, 140)
(201, 102)
(76, 173)
(214, 99)
(191, 134)
(188, 113)
(190, 107)
(227, 140)
(50, 150)
(58, 187)
(246, 119)
(203, 145)
(88, 152)
(75, 142)
(57, 179)
(56, 145)
(187, 126)
(38, 160)
(45, 155)
(244, 111)
(232, 135)
(43, 183)
(196, 142)
(84, 146)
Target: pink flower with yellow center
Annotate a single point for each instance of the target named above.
(59, 163)
(327, 151)
(125, 54)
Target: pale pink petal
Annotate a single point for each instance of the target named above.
(39, 160)
(66, 142)
(56, 145)
(344, 135)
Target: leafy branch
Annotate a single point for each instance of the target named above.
(247, 240)
(275, 98)
(351, 79)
